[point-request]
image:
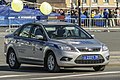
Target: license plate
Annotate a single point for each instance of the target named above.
(93, 57)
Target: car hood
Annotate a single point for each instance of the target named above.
(79, 42)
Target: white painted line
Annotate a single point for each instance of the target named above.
(11, 76)
(7, 76)
(1, 36)
(102, 28)
(78, 75)
(56, 77)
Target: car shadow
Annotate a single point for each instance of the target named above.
(40, 69)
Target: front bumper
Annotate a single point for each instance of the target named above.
(73, 56)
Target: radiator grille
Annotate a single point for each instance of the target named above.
(89, 49)
(79, 60)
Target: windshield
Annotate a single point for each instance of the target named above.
(66, 32)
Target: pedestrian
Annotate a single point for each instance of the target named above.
(111, 20)
(93, 13)
(68, 17)
(105, 16)
(86, 13)
(62, 15)
(117, 15)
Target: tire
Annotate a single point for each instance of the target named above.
(99, 68)
(51, 63)
(12, 60)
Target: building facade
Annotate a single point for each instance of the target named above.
(94, 3)
(84, 3)
(55, 3)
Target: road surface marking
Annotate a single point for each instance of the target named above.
(11, 76)
(8, 76)
(56, 77)
(78, 75)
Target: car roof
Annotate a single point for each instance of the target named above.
(55, 23)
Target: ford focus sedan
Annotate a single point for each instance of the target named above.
(55, 45)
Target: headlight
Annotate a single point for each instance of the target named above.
(65, 48)
(104, 48)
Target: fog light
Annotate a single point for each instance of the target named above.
(108, 57)
(65, 59)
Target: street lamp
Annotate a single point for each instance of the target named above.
(79, 13)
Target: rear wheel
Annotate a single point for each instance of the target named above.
(12, 60)
(51, 63)
(99, 68)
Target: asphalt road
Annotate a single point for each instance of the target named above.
(31, 72)
(111, 39)
(35, 72)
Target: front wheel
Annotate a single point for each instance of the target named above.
(12, 60)
(51, 63)
(99, 68)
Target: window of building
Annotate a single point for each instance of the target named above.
(115, 0)
(31, 0)
(95, 1)
(84, 1)
(106, 1)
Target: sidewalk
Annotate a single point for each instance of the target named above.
(3, 29)
(103, 29)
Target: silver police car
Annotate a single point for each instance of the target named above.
(55, 45)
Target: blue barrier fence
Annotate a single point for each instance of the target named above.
(10, 17)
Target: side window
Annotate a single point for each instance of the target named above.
(83, 35)
(25, 31)
(16, 33)
(37, 30)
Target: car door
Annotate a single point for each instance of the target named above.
(37, 43)
(23, 43)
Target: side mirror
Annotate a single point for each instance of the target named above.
(93, 36)
(40, 37)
